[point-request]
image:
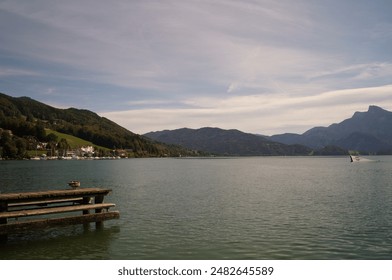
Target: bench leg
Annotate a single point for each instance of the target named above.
(86, 200)
(3, 238)
(3, 208)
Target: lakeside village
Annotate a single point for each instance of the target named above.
(82, 153)
(32, 149)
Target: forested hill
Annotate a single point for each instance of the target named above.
(226, 142)
(26, 118)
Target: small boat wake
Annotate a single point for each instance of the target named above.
(359, 159)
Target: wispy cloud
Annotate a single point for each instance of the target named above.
(8, 72)
(129, 45)
(268, 115)
(358, 71)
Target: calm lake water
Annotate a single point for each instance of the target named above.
(220, 208)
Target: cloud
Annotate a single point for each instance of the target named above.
(261, 66)
(263, 114)
(217, 43)
(8, 72)
(362, 71)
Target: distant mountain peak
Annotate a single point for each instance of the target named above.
(376, 109)
(369, 132)
(373, 111)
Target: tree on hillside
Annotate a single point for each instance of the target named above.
(63, 147)
(51, 137)
(12, 146)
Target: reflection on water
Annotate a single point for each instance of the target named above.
(237, 208)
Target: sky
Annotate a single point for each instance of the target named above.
(259, 66)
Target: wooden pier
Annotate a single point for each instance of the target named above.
(27, 210)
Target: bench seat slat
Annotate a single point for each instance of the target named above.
(52, 194)
(46, 202)
(54, 210)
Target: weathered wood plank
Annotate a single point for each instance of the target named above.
(41, 223)
(52, 194)
(78, 200)
(53, 210)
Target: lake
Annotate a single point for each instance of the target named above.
(216, 208)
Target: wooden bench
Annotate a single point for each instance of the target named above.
(18, 211)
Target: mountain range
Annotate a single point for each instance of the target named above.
(226, 142)
(365, 132)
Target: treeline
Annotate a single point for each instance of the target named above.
(17, 136)
(20, 127)
(11, 146)
(23, 121)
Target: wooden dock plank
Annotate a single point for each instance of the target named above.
(42, 223)
(53, 210)
(78, 200)
(52, 194)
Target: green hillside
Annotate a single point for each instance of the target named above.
(73, 141)
(24, 122)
